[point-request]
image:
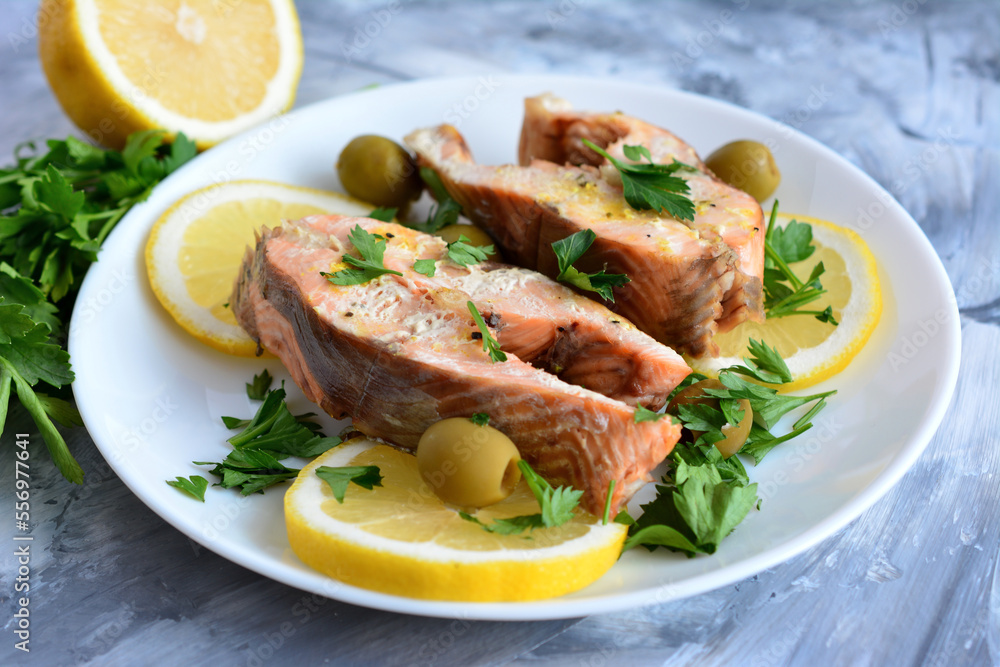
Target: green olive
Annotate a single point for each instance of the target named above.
(735, 436)
(476, 236)
(379, 171)
(468, 465)
(747, 165)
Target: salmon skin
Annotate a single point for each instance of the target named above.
(689, 280)
(400, 352)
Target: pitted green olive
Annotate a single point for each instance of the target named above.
(379, 171)
(476, 236)
(735, 436)
(747, 165)
(468, 465)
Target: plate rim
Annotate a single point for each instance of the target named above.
(557, 608)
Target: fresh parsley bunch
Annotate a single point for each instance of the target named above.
(56, 209)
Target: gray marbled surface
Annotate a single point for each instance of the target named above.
(911, 95)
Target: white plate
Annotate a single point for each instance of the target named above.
(151, 396)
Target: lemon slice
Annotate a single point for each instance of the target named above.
(195, 250)
(400, 539)
(814, 350)
(208, 68)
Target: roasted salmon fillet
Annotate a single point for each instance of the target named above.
(689, 280)
(400, 352)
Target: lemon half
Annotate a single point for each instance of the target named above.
(814, 350)
(399, 538)
(208, 68)
(195, 249)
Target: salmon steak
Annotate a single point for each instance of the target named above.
(398, 353)
(688, 279)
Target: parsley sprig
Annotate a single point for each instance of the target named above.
(570, 249)
(272, 434)
(490, 343)
(784, 292)
(556, 505)
(56, 209)
(647, 185)
(463, 252)
(371, 265)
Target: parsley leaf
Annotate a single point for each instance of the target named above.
(643, 414)
(480, 419)
(371, 247)
(250, 470)
(383, 213)
(427, 267)
(195, 486)
(274, 428)
(464, 253)
(338, 478)
(27, 357)
(490, 343)
(556, 506)
(257, 390)
(570, 249)
(649, 185)
(446, 211)
(694, 509)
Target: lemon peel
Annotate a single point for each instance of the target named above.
(195, 249)
(400, 539)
